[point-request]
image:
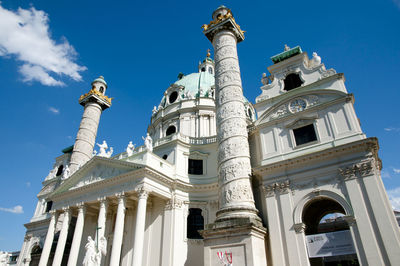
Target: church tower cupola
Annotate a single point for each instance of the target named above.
(100, 85)
(207, 65)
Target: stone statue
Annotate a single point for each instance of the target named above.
(148, 142)
(103, 147)
(4, 258)
(130, 148)
(93, 253)
(94, 152)
(154, 110)
(66, 172)
(315, 60)
(188, 95)
(109, 153)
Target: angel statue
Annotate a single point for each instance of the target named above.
(93, 253)
(315, 60)
(148, 142)
(66, 172)
(4, 258)
(103, 147)
(109, 153)
(130, 148)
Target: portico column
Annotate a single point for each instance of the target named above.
(76, 241)
(49, 239)
(118, 231)
(139, 228)
(58, 256)
(101, 221)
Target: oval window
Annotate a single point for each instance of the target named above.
(173, 96)
(170, 130)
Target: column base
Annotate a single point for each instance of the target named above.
(239, 241)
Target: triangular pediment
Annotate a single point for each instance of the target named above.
(312, 99)
(96, 170)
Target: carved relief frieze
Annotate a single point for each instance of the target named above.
(234, 168)
(223, 41)
(228, 78)
(173, 203)
(227, 51)
(233, 147)
(234, 93)
(232, 109)
(232, 127)
(229, 64)
(239, 191)
(358, 170)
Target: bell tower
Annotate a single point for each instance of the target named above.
(94, 103)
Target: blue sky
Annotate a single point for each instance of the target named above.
(50, 51)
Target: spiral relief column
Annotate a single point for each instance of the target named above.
(237, 230)
(234, 169)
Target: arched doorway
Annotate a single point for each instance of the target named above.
(328, 236)
(35, 255)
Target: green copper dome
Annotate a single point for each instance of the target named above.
(196, 81)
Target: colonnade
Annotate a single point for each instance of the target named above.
(101, 224)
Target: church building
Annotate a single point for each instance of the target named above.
(289, 180)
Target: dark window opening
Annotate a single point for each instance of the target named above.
(170, 130)
(165, 156)
(210, 70)
(173, 96)
(101, 89)
(250, 113)
(49, 204)
(195, 167)
(292, 81)
(60, 170)
(203, 69)
(195, 222)
(304, 134)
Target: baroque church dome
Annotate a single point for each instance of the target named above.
(188, 106)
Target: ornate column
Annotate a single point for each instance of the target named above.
(118, 231)
(76, 241)
(234, 169)
(49, 239)
(237, 215)
(139, 227)
(58, 256)
(94, 102)
(101, 222)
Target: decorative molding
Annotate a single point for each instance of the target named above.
(281, 188)
(300, 227)
(358, 170)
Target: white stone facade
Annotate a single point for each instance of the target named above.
(296, 148)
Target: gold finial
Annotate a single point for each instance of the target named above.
(208, 53)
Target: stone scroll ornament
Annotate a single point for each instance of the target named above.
(225, 258)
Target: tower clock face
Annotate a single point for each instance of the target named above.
(297, 105)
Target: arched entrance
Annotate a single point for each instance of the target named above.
(35, 255)
(328, 236)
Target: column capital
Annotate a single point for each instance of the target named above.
(53, 212)
(143, 193)
(300, 227)
(66, 209)
(81, 207)
(102, 199)
(120, 196)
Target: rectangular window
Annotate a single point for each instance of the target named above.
(49, 204)
(195, 167)
(303, 135)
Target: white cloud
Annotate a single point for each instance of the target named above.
(397, 171)
(54, 110)
(395, 129)
(385, 174)
(394, 197)
(17, 209)
(25, 34)
(397, 3)
(28, 184)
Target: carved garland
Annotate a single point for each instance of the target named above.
(358, 170)
(282, 188)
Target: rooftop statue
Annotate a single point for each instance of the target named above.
(315, 60)
(130, 148)
(103, 147)
(66, 172)
(4, 258)
(148, 142)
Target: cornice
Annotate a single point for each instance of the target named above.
(369, 144)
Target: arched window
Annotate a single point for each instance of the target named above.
(173, 96)
(292, 81)
(165, 156)
(195, 222)
(101, 89)
(250, 113)
(203, 69)
(210, 70)
(170, 130)
(60, 170)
